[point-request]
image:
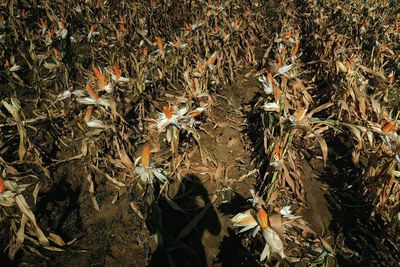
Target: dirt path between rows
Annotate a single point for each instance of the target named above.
(228, 171)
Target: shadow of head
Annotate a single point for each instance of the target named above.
(182, 220)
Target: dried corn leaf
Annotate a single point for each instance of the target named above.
(19, 238)
(23, 206)
(36, 192)
(14, 109)
(95, 204)
(56, 239)
(275, 221)
(273, 241)
(91, 184)
(136, 210)
(324, 148)
(319, 109)
(114, 181)
(232, 142)
(123, 155)
(53, 249)
(289, 180)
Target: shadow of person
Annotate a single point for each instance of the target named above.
(232, 253)
(179, 224)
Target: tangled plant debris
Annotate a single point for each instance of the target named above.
(131, 133)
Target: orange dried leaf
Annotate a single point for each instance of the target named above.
(236, 24)
(194, 113)
(277, 152)
(388, 127)
(122, 28)
(100, 77)
(300, 113)
(279, 62)
(92, 92)
(212, 58)
(295, 50)
(277, 94)
(160, 44)
(1, 185)
(167, 112)
(117, 72)
(270, 80)
(391, 78)
(88, 113)
(146, 156)
(187, 26)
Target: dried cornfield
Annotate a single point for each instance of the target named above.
(200, 133)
